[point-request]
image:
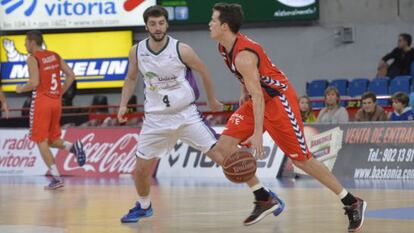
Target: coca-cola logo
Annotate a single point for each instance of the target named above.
(105, 154)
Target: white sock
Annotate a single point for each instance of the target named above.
(342, 194)
(67, 145)
(145, 202)
(54, 171)
(256, 187)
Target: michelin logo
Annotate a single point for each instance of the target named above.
(16, 68)
(12, 54)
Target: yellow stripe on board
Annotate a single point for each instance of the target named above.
(102, 84)
(78, 45)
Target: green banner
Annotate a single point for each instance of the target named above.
(199, 11)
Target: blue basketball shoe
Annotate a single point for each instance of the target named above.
(77, 149)
(54, 184)
(273, 205)
(136, 213)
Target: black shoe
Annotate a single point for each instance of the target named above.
(356, 214)
(262, 208)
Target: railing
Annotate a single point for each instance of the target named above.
(96, 114)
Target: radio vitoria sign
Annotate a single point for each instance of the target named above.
(52, 14)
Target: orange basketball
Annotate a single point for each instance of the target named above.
(239, 167)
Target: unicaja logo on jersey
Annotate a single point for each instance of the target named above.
(13, 5)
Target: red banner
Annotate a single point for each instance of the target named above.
(109, 152)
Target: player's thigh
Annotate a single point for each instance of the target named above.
(155, 142)
(241, 123)
(55, 130)
(282, 122)
(40, 117)
(198, 135)
(225, 146)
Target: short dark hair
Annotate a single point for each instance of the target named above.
(401, 97)
(369, 95)
(230, 13)
(155, 11)
(407, 38)
(35, 36)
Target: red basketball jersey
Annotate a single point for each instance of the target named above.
(49, 74)
(272, 79)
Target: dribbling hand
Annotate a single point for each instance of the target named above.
(256, 144)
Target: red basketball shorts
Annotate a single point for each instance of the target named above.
(45, 116)
(282, 120)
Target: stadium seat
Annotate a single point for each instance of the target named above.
(318, 105)
(132, 101)
(26, 106)
(400, 83)
(357, 87)
(412, 85)
(379, 86)
(341, 85)
(100, 100)
(316, 88)
(403, 77)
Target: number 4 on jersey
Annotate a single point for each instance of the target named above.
(166, 101)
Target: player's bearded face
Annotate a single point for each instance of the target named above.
(157, 28)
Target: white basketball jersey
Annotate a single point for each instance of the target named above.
(169, 84)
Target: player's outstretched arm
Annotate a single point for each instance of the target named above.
(191, 59)
(129, 84)
(69, 74)
(33, 76)
(246, 64)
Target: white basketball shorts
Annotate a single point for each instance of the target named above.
(160, 132)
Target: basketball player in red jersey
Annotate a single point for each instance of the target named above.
(45, 111)
(268, 103)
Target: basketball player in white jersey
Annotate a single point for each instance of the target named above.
(170, 113)
(170, 92)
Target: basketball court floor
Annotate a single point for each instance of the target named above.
(196, 206)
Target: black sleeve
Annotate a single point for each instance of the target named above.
(391, 55)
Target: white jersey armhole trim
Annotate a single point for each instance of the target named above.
(178, 53)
